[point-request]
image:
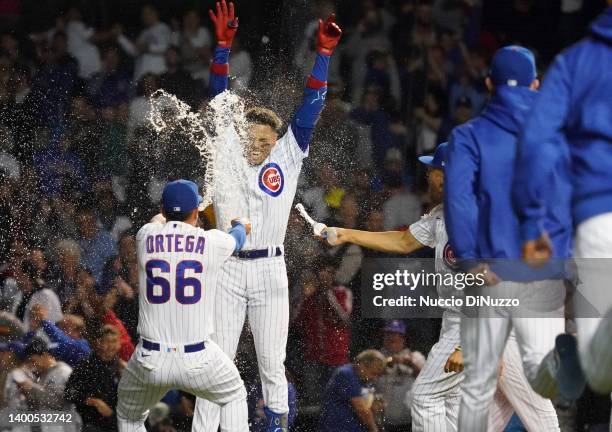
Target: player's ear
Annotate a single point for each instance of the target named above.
(489, 84)
(535, 84)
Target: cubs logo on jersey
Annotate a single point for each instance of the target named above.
(449, 257)
(271, 179)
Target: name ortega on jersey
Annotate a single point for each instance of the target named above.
(271, 179)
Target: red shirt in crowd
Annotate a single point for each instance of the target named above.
(323, 319)
(127, 347)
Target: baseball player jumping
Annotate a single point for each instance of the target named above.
(179, 266)
(255, 279)
(575, 102)
(484, 233)
(436, 392)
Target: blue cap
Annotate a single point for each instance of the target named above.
(181, 196)
(395, 326)
(513, 66)
(438, 160)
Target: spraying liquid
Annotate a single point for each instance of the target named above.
(219, 134)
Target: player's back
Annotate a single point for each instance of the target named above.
(179, 266)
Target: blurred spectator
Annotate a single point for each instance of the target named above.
(66, 342)
(348, 402)
(92, 387)
(140, 107)
(63, 278)
(194, 44)
(22, 371)
(59, 168)
(382, 73)
(9, 165)
(97, 244)
(326, 194)
(79, 41)
(402, 370)
(124, 271)
(461, 114)
(113, 153)
(428, 122)
(324, 320)
(348, 256)
(177, 80)
(102, 301)
(109, 212)
(111, 86)
(45, 389)
(337, 134)
(56, 79)
(34, 292)
(403, 207)
(369, 35)
(372, 113)
(151, 44)
(84, 134)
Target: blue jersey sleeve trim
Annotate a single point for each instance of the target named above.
(238, 231)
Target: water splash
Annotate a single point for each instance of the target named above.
(218, 133)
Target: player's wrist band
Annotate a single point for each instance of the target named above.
(314, 83)
(220, 69)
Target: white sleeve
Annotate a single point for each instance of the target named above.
(127, 46)
(424, 230)
(289, 152)
(224, 243)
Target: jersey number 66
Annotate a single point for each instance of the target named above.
(181, 284)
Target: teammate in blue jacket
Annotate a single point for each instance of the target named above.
(576, 103)
(484, 233)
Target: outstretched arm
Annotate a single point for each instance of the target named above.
(307, 115)
(400, 242)
(226, 25)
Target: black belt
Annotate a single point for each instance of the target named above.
(154, 346)
(258, 253)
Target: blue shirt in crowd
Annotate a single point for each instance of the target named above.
(337, 414)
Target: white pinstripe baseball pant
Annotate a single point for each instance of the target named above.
(207, 374)
(437, 395)
(593, 252)
(259, 288)
(484, 338)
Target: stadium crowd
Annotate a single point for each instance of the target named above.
(81, 170)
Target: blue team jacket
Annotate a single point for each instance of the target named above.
(479, 172)
(575, 102)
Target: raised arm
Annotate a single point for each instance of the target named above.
(400, 242)
(307, 115)
(226, 25)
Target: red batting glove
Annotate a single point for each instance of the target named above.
(328, 35)
(226, 24)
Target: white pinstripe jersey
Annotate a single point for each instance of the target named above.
(178, 267)
(430, 230)
(267, 197)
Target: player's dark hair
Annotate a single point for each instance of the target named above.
(264, 116)
(177, 216)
